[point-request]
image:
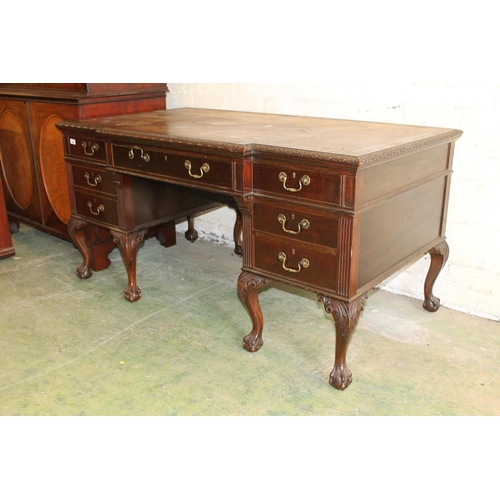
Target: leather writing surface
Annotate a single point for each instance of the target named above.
(345, 141)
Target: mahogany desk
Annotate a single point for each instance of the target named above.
(330, 206)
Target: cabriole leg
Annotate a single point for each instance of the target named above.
(345, 315)
(237, 233)
(128, 244)
(248, 284)
(76, 230)
(191, 234)
(439, 256)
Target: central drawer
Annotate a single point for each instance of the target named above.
(161, 164)
(297, 262)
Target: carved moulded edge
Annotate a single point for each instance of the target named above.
(351, 160)
(409, 147)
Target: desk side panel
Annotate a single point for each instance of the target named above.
(384, 180)
(403, 227)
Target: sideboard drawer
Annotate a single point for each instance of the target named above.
(297, 262)
(97, 208)
(184, 167)
(297, 224)
(93, 178)
(299, 183)
(90, 149)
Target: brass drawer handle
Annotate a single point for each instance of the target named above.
(204, 169)
(97, 179)
(144, 156)
(93, 148)
(303, 224)
(100, 208)
(304, 263)
(304, 181)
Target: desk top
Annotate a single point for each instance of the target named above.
(349, 142)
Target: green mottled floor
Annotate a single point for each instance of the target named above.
(77, 347)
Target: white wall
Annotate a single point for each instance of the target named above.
(470, 281)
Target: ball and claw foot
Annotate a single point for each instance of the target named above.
(191, 234)
(340, 378)
(132, 294)
(238, 249)
(84, 272)
(431, 303)
(14, 227)
(252, 342)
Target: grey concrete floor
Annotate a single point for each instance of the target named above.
(77, 347)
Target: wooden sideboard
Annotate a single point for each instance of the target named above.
(329, 206)
(31, 153)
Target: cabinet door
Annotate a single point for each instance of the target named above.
(16, 158)
(31, 151)
(49, 160)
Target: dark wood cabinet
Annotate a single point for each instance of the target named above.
(33, 168)
(6, 248)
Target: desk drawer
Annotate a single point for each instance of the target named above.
(296, 224)
(93, 178)
(97, 208)
(298, 183)
(90, 149)
(202, 171)
(296, 262)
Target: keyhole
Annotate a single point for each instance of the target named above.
(293, 175)
(293, 251)
(293, 216)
